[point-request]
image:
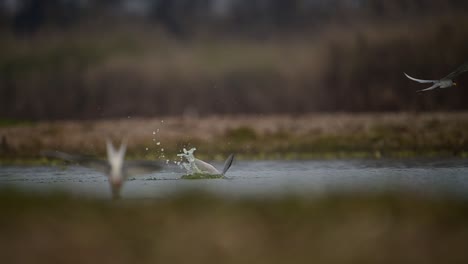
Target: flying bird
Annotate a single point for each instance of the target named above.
(446, 82)
(115, 167)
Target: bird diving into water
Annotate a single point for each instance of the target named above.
(195, 165)
(446, 82)
(115, 167)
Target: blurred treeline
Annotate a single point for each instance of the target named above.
(115, 58)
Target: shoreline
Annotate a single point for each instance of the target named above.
(313, 136)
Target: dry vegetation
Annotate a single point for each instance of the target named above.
(139, 71)
(199, 228)
(260, 137)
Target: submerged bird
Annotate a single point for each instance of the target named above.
(446, 82)
(195, 165)
(115, 167)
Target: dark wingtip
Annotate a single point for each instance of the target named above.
(228, 163)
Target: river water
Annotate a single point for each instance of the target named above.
(258, 178)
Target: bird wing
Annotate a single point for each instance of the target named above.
(420, 80)
(228, 163)
(99, 165)
(463, 68)
(206, 167)
(54, 154)
(139, 167)
(436, 85)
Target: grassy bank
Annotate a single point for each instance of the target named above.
(200, 228)
(250, 137)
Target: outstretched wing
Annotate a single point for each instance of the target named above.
(463, 68)
(420, 80)
(228, 163)
(430, 88)
(54, 154)
(139, 167)
(99, 165)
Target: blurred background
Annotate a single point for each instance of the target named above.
(82, 59)
(309, 94)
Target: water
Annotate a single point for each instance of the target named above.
(259, 178)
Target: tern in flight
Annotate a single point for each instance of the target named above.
(446, 82)
(115, 167)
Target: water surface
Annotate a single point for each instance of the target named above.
(259, 178)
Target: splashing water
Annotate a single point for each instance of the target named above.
(188, 161)
(160, 151)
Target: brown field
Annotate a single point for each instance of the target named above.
(305, 136)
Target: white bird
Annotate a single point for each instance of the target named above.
(200, 166)
(205, 167)
(446, 82)
(115, 167)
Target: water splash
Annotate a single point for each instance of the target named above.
(159, 151)
(188, 161)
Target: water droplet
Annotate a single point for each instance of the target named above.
(154, 132)
(158, 143)
(146, 149)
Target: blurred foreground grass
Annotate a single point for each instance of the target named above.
(250, 137)
(200, 228)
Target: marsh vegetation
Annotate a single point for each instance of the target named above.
(250, 137)
(299, 80)
(345, 59)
